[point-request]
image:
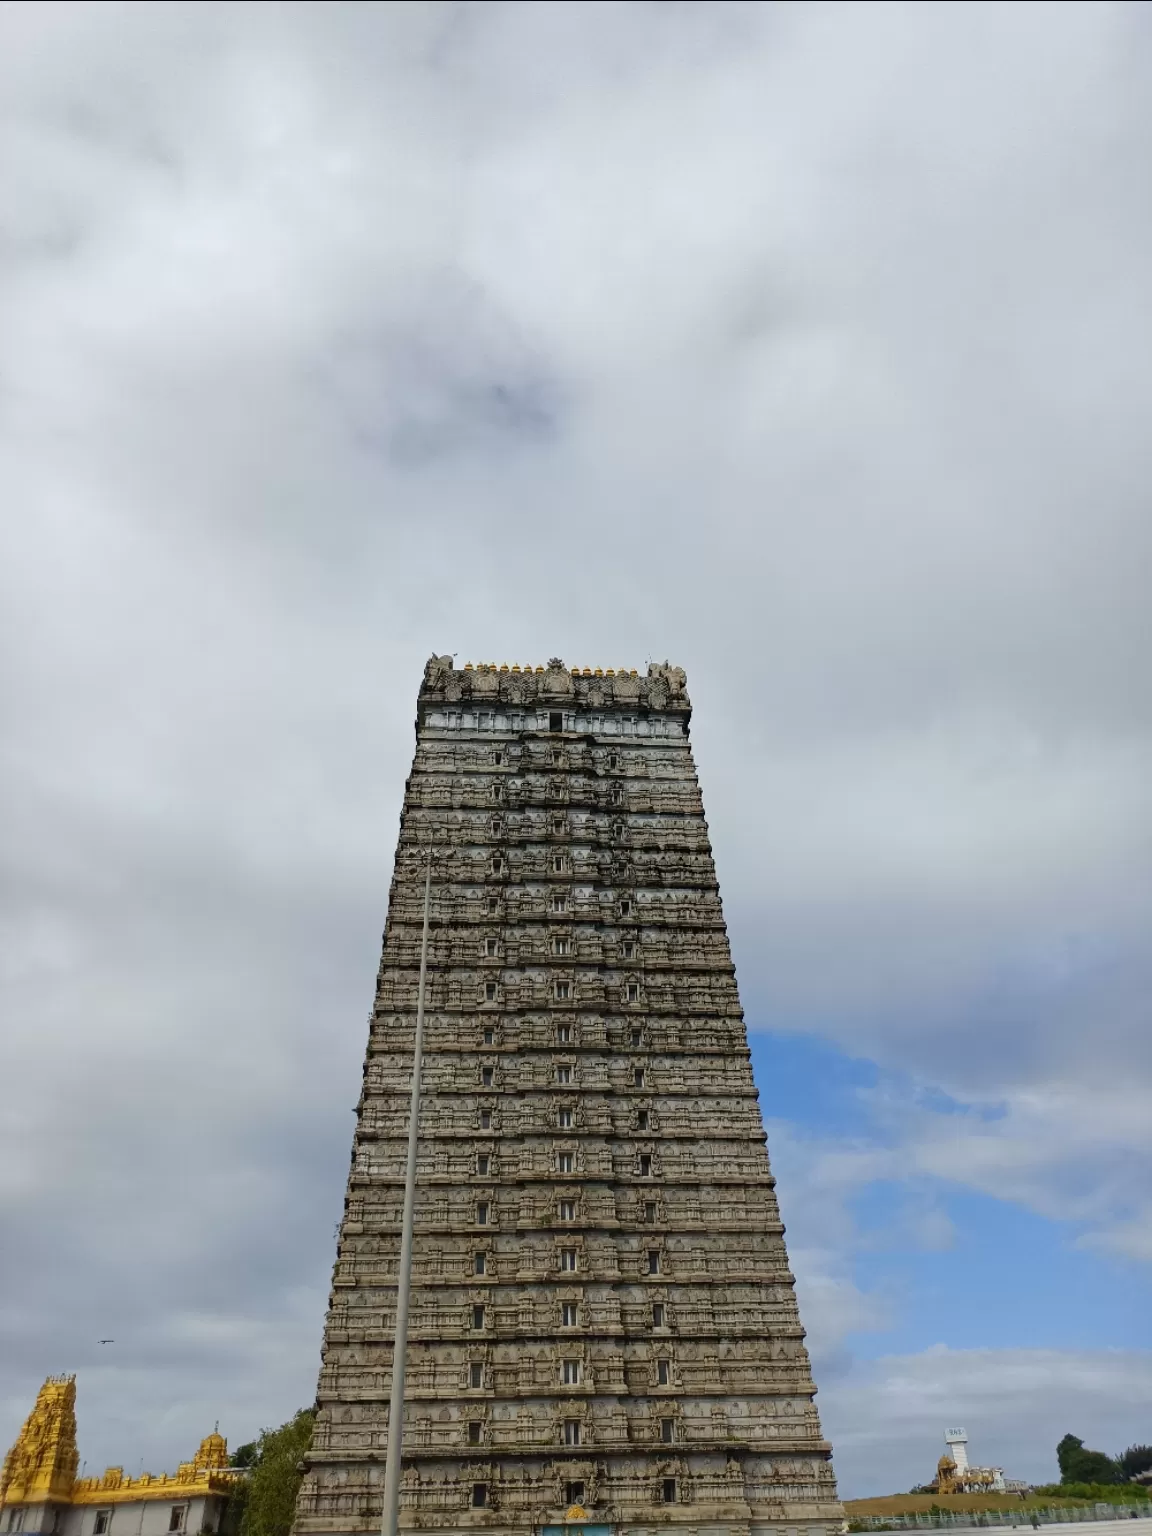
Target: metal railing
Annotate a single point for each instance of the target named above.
(967, 1519)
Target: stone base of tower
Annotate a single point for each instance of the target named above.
(826, 1522)
(518, 1504)
(685, 1522)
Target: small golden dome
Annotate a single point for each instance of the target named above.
(213, 1451)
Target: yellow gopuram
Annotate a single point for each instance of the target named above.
(40, 1492)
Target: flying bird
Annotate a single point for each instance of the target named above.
(105, 1341)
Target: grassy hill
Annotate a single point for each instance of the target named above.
(973, 1503)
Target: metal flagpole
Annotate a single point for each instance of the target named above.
(390, 1520)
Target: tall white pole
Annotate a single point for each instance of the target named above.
(390, 1521)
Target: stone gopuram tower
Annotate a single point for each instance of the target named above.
(604, 1335)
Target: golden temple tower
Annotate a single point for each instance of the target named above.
(41, 1495)
(41, 1466)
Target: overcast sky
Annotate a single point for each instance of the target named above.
(806, 345)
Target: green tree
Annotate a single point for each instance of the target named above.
(243, 1455)
(1078, 1465)
(1066, 1452)
(269, 1495)
(1136, 1459)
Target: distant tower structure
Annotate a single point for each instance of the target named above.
(955, 1474)
(957, 1443)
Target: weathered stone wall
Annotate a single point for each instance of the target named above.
(602, 1310)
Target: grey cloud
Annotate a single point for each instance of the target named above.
(808, 346)
(448, 379)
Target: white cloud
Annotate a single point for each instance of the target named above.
(887, 1417)
(808, 345)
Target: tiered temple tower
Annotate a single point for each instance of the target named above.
(40, 1494)
(604, 1333)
